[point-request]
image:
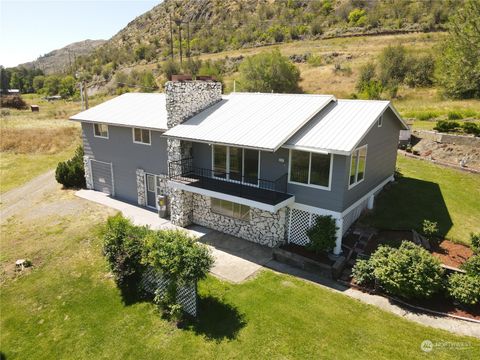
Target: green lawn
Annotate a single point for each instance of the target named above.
(428, 191)
(69, 307)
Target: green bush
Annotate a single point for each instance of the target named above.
(322, 234)
(123, 248)
(469, 127)
(446, 126)
(363, 272)
(420, 71)
(269, 72)
(357, 17)
(464, 288)
(475, 242)
(71, 173)
(472, 265)
(426, 115)
(409, 271)
(454, 115)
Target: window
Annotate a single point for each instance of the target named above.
(357, 165)
(231, 209)
(100, 130)
(380, 121)
(141, 136)
(236, 164)
(310, 168)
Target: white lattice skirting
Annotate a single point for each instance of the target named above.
(186, 296)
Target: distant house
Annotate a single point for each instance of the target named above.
(10, 92)
(259, 166)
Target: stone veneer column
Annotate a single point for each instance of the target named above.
(184, 99)
(88, 172)
(141, 191)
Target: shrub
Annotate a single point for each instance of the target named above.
(464, 288)
(363, 272)
(475, 242)
(13, 102)
(269, 72)
(426, 115)
(314, 60)
(322, 234)
(71, 173)
(123, 246)
(471, 128)
(393, 65)
(357, 17)
(446, 126)
(409, 271)
(472, 266)
(420, 71)
(454, 115)
(429, 228)
(367, 74)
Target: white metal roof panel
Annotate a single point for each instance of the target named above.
(252, 120)
(131, 109)
(340, 126)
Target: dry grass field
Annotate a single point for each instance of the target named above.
(32, 143)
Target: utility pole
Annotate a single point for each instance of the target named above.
(86, 95)
(179, 24)
(81, 95)
(171, 36)
(188, 40)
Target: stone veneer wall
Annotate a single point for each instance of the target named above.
(88, 174)
(184, 99)
(264, 227)
(141, 191)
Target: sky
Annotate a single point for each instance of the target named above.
(32, 28)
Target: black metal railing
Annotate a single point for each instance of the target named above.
(254, 188)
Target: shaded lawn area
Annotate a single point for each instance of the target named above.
(429, 191)
(69, 306)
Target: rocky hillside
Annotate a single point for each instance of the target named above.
(61, 60)
(218, 25)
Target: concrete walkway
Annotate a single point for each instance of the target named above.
(235, 259)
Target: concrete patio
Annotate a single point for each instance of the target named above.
(235, 259)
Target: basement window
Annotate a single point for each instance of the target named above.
(141, 136)
(230, 209)
(100, 130)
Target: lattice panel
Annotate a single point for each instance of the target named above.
(300, 222)
(187, 295)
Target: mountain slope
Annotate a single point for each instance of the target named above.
(218, 25)
(62, 60)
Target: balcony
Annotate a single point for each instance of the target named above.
(271, 193)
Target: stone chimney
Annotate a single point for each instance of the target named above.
(184, 99)
(187, 98)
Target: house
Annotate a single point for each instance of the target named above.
(258, 166)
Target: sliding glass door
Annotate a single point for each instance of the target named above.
(236, 164)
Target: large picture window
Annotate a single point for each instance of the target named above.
(100, 130)
(310, 168)
(237, 164)
(231, 209)
(357, 165)
(141, 136)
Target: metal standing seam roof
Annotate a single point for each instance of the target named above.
(143, 110)
(252, 120)
(340, 126)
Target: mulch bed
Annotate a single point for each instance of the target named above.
(302, 251)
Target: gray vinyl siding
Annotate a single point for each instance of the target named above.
(126, 156)
(382, 145)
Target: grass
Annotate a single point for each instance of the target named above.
(68, 304)
(428, 191)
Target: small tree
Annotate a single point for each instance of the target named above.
(71, 173)
(269, 72)
(67, 86)
(475, 242)
(180, 259)
(393, 66)
(322, 234)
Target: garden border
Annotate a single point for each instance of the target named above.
(445, 164)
